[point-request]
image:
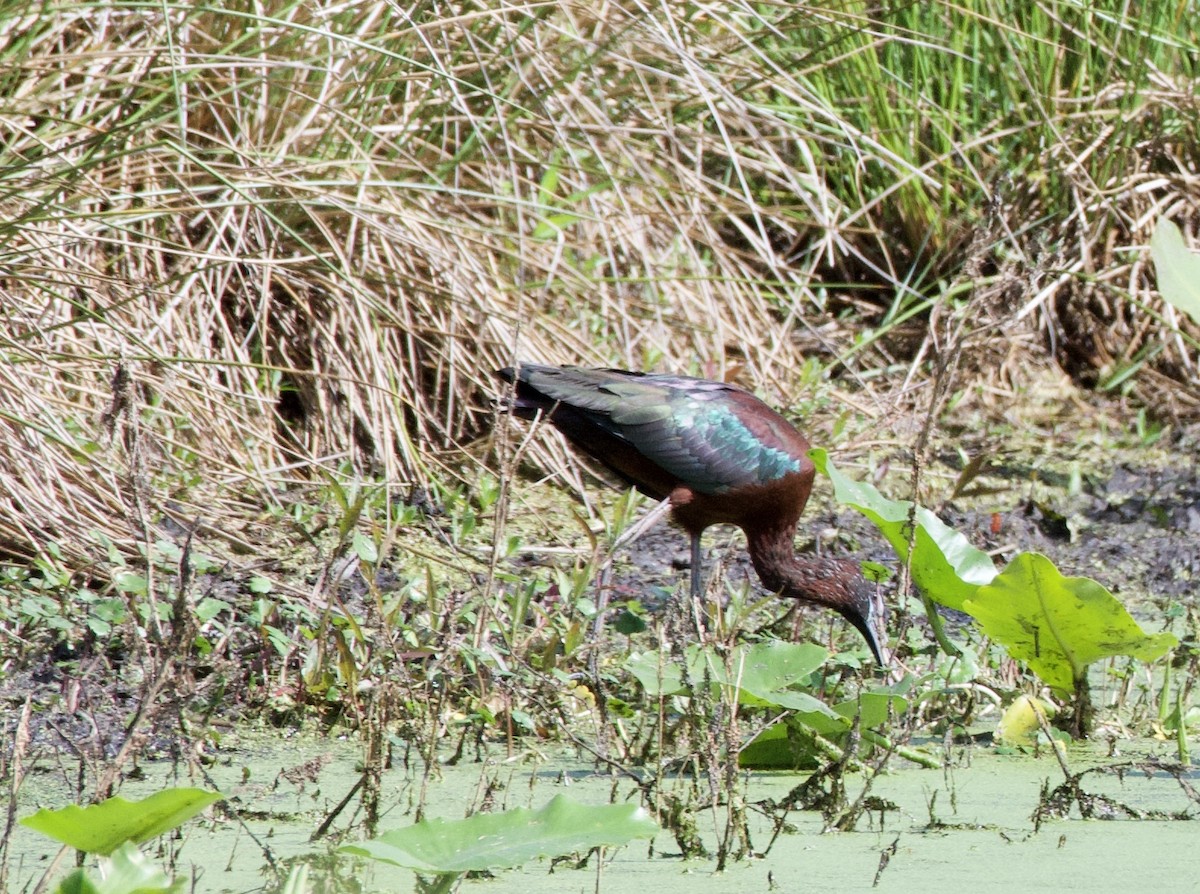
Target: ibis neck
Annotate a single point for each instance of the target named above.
(810, 579)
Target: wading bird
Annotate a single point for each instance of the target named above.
(717, 454)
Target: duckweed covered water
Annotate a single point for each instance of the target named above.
(968, 827)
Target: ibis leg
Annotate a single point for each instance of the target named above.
(697, 568)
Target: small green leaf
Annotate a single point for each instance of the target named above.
(628, 624)
(129, 582)
(365, 549)
(511, 838)
(260, 585)
(1178, 269)
(1059, 625)
(102, 828)
(209, 608)
(78, 882)
(553, 225)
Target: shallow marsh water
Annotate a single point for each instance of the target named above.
(968, 827)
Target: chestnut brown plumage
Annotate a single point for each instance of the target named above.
(719, 454)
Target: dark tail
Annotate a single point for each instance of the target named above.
(526, 401)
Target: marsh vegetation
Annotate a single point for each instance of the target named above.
(259, 263)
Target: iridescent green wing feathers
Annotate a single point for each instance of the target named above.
(690, 428)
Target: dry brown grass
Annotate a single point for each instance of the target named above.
(310, 233)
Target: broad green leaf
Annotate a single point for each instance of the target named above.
(1178, 268)
(777, 747)
(511, 838)
(872, 709)
(1059, 625)
(766, 672)
(104, 827)
(763, 673)
(260, 585)
(945, 565)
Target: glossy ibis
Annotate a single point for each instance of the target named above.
(717, 453)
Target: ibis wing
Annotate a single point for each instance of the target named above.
(706, 444)
(709, 436)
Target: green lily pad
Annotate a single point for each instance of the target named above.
(511, 838)
(775, 748)
(104, 827)
(873, 709)
(1059, 625)
(1055, 624)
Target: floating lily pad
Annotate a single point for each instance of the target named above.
(511, 838)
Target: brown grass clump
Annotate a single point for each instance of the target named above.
(244, 245)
